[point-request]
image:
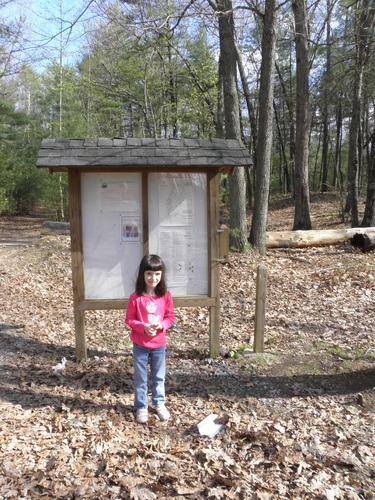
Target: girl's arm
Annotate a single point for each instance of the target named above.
(169, 317)
(131, 317)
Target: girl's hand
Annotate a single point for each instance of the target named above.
(150, 330)
(157, 325)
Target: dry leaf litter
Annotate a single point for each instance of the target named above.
(299, 418)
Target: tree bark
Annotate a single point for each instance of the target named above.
(264, 144)
(219, 127)
(250, 108)
(302, 195)
(363, 34)
(369, 215)
(292, 145)
(172, 96)
(316, 159)
(237, 182)
(284, 177)
(337, 174)
(326, 81)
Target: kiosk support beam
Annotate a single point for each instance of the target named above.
(77, 262)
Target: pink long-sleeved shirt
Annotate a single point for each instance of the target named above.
(145, 308)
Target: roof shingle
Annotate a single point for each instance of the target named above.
(67, 153)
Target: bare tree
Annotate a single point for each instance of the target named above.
(302, 195)
(364, 25)
(369, 215)
(237, 182)
(250, 108)
(264, 143)
(326, 81)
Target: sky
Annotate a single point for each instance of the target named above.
(45, 28)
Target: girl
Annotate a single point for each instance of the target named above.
(149, 314)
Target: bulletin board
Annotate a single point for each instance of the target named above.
(178, 229)
(112, 237)
(112, 225)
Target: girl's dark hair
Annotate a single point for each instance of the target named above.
(151, 263)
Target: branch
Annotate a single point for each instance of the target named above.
(213, 5)
(282, 4)
(317, 39)
(181, 16)
(12, 51)
(196, 80)
(254, 8)
(68, 28)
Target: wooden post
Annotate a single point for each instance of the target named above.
(223, 233)
(77, 261)
(260, 308)
(213, 259)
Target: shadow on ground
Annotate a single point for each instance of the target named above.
(27, 378)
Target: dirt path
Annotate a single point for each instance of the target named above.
(19, 230)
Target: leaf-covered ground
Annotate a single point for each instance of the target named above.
(300, 418)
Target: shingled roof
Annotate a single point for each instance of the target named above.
(62, 154)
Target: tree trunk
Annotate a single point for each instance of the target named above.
(61, 187)
(250, 108)
(326, 82)
(316, 159)
(292, 130)
(289, 105)
(352, 202)
(172, 96)
(337, 174)
(325, 183)
(220, 102)
(363, 32)
(285, 173)
(302, 195)
(237, 182)
(264, 144)
(369, 215)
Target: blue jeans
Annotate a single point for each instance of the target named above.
(141, 357)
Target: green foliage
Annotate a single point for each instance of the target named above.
(24, 121)
(20, 183)
(239, 351)
(61, 85)
(150, 86)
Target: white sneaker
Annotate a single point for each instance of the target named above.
(141, 415)
(162, 413)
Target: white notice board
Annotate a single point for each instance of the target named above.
(178, 229)
(111, 233)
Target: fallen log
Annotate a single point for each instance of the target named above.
(363, 241)
(55, 227)
(300, 239)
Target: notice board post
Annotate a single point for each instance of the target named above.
(77, 262)
(129, 197)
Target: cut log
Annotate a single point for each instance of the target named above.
(300, 239)
(55, 227)
(363, 241)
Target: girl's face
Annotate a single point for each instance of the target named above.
(152, 279)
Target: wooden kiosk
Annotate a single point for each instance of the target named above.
(129, 197)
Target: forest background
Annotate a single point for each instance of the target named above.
(294, 80)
